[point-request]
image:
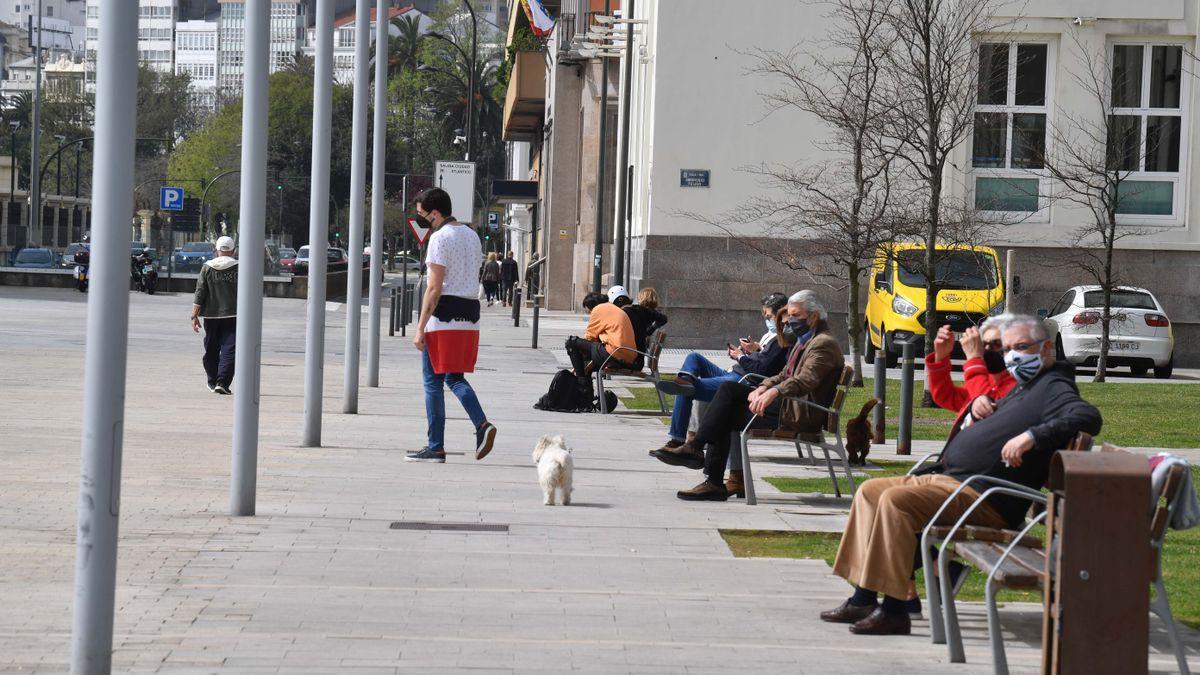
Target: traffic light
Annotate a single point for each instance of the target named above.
(279, 187)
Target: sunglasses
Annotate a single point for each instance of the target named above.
(1022, 346)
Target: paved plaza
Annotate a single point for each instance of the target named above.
(345, 569)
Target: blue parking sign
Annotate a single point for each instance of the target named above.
(170, 199)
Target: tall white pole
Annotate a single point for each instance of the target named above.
(377, 187)
(251, 236)
(358, 194)
(318, 225)
(35, 140)
(107, 340)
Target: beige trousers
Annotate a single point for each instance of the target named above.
(886, 519)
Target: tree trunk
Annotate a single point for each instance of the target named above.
(854, 325)
(931, 289)
(1106, 311)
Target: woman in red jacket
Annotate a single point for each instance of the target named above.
(983, 373)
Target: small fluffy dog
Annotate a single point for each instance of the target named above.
(554, 468)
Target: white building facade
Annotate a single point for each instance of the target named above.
(289, 18)
(196, 55)
(156, 34)
(698, 122)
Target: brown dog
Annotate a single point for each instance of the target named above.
(858, 434)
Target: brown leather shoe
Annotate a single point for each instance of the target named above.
(683, 455)
(736, 485)
(704, 492)
(848, 613)
(882, 623)
(671, 444)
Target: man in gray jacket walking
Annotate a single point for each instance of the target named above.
(216, 302)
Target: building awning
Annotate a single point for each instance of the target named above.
(515, 191)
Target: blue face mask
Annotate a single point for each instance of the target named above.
(770, 325)
(1022, 366)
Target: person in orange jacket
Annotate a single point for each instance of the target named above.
(984, 373)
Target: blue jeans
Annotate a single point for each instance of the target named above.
(435, 400)
(707, 378)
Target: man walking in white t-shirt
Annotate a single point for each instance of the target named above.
(448, 329)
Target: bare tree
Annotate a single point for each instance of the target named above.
(838, 209)
(1092, 156)
(933, 77)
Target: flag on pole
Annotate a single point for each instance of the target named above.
(539, 19)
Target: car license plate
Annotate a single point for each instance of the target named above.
(1127, 346)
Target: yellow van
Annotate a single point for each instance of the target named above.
(972, 288)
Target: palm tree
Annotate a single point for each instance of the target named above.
(301, 64)
(405, 47)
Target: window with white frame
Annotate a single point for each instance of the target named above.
(1009, 139)
(1146, 128)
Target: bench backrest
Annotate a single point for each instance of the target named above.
(1164, 502)
(654, 349)
(839, 399)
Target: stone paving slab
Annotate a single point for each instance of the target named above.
(629, 579)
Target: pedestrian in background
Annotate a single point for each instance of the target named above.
(216, 301)
(491, 279)
(509, 275)
(448, 328)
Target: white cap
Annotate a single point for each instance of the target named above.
(617, 292)
(225, 244)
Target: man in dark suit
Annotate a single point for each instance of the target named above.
(812, 372)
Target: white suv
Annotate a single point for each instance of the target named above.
(1139, 336)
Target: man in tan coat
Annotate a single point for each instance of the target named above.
(812, 371)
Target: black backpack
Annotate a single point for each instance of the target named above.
(568, 393)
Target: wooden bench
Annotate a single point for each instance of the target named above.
(614, 367)
(939, 593)
(1017, 565)
(833, 416)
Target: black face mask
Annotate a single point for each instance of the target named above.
(994, 361)
(422, 221)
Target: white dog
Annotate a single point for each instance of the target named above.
(554, 467)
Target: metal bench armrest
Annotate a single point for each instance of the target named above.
(618, 349)
(931, 457)
(1010, 489)
(965, 484)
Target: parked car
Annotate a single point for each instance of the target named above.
(1139, 333)
(36, 258)
(287, 258)
(971, 289)
(68, 257)
(334, 256)
(191, 256)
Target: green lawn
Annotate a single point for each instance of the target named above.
(821, 484)
(1181, 554)
(1140, 415)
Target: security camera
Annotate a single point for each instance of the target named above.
(1078, 21)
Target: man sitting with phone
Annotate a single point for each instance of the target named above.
(699, 379)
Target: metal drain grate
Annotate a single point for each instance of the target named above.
(448, 527)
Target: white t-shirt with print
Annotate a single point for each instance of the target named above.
(457, 248)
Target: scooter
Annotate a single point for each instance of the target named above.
(144, 272)
(82, 258)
